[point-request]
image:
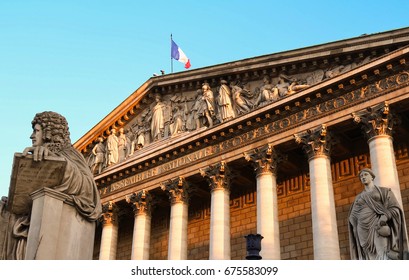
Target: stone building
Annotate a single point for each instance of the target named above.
(270, 145)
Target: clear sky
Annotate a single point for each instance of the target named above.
(83, 58)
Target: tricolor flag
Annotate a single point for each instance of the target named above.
(177, 54)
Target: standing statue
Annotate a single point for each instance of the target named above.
(112, 148)
(225, 102)
(376, 225)
(99, 152)
(204, 106)
(158, 119)
(121, 145)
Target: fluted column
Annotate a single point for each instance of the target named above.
(141, 202)
(179, 200)
(317, 145)
(377, 124)
(265, 162)
(109, 238)
(218, 177)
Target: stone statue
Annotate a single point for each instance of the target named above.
(376, 225)
(241, 97)
(112, 148)
(130, 142)
(121, 145)
(203, 109)
(178, 119)
(158, 119)
(267, 93)
(99, 153)
(50, 137)
(225, 102)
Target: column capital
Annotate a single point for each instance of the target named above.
(218, 176)
(141, 202)
(178, 190)
(377, 120)
(315, 142)
(109, 214)
(264, 159)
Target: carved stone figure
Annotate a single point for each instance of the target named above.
(158, 119)
(242, 101)
(376, 225)
(121, 145)
(267, 94)
(178, 119)
(140, 136)
(99, 153)
(281, 88)
(130, 142)
(112, 148)
(225, 102)
(50, 137)
(203, 110)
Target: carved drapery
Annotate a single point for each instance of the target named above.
(109, 214)
(264, 159)
(376, 121)
(315, 142)
(218, 176)
(141, 202)
(178, 190)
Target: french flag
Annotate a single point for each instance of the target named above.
(179, 55)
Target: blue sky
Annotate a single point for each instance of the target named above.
(82, 58)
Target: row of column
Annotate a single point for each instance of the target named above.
(377, 125)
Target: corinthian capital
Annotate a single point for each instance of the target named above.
(178, 190)
(141, 202)
(315, 142)
(218, 176)
(375, 121)
(109, 213)
(264, 159)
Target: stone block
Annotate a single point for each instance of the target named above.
(57, 230)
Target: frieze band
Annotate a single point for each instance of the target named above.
(268, 129)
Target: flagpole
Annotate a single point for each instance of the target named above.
(171, 60)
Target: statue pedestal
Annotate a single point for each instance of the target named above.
(57, 231)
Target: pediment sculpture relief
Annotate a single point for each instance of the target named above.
(169, 115)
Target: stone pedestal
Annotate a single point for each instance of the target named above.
(57, 231)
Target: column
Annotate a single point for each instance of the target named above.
(179, 201)
(109, 238)
(377, 124)
(218, 176)
(317, 145)
(141, 203)
(264, 161)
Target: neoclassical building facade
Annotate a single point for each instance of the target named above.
(192, 162)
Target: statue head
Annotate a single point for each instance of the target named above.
(53, 130)
(367, 170)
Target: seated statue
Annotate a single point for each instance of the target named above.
(50, 137)
(376, 224)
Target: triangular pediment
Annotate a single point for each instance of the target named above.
(173, 113)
